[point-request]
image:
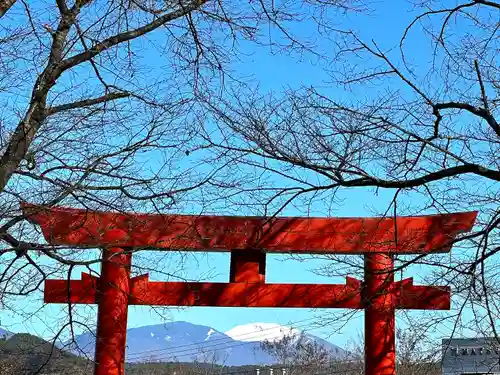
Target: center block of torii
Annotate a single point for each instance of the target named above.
(248, 239)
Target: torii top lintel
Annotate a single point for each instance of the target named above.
(404, 234)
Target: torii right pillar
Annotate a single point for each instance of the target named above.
(381, 296)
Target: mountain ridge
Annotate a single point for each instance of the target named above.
(186, 342)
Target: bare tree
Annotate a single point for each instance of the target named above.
(100, 107)
(424, 130)
(298, 354)
(416, 355)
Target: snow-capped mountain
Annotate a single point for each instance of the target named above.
(272, 332)
(186, 342)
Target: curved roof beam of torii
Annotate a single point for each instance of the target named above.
(418, 234)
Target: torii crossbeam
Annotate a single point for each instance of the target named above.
(248, 239)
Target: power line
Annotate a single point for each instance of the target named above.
(193, 351)
(212, 346)
(224, 340)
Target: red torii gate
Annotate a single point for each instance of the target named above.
(248, 239)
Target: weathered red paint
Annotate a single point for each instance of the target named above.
(248, 239)
(419, 234)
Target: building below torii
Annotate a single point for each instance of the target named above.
(469, 356)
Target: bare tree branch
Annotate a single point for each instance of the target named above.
(87, 102)
(5, 5)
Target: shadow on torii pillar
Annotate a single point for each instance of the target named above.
(248, 239)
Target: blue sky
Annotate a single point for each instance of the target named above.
(272, 72)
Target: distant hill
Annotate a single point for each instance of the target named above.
(25, 354)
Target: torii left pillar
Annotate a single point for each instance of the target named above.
(380, 340)
(112, 297)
